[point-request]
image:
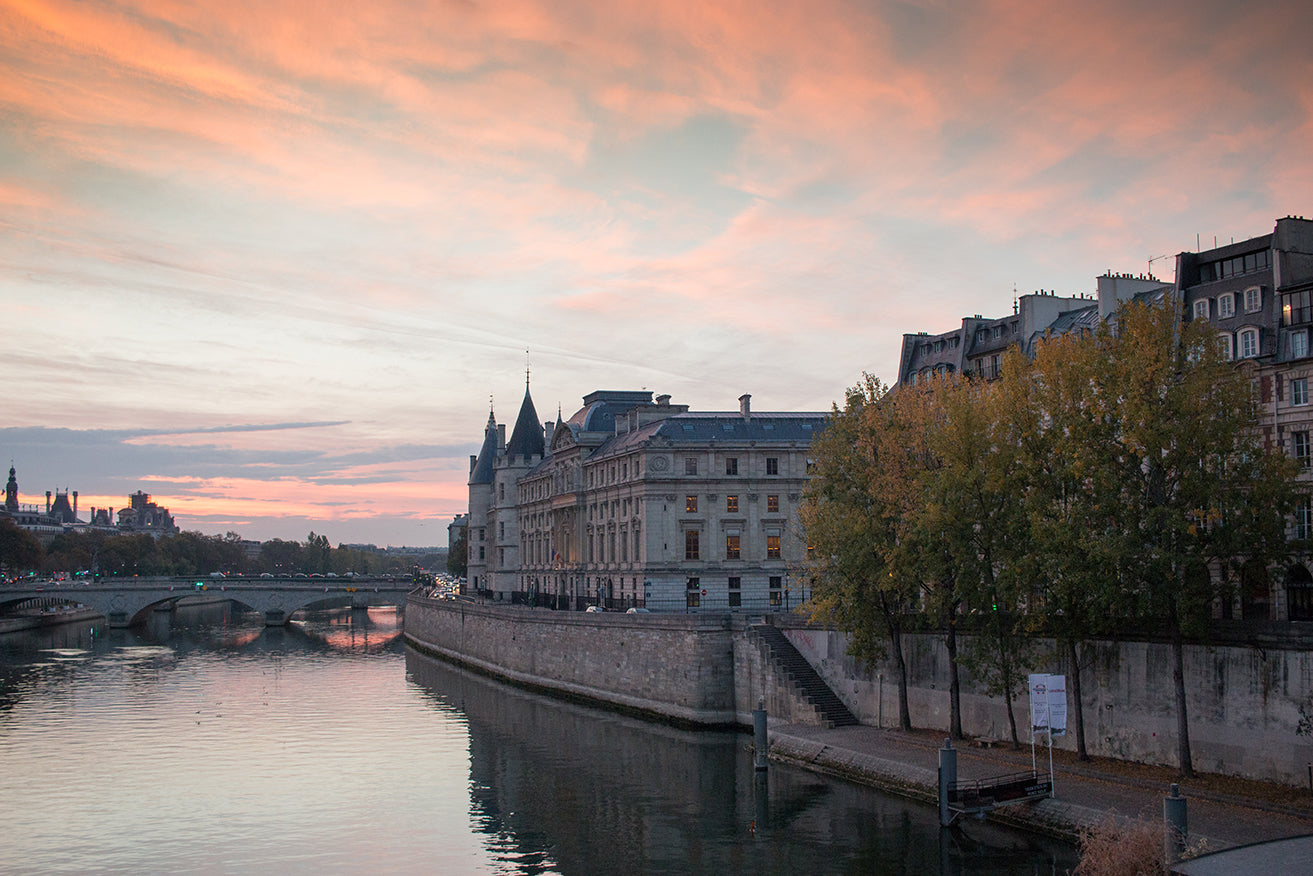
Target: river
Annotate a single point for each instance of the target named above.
(206, 743)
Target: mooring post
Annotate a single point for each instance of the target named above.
(947, 779)
(1175, 826)
(759, 734)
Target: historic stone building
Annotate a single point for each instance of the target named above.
(1258, 293)
(634, 501)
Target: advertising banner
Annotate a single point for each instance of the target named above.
(1048, 703)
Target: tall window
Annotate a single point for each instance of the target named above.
(690, 465)
(772, 504)
(772, 465)
(1299, 391)
(1299, 443)
(1304, 521)
(1224, 345)
(691, 504)
(1299, 344)
(1253, 299)
(772, 547)
(731, 504)
(1201, 309)
(1248, 341)
(732, 465)
(735, 593)
(731, 547)
(692, 547)
(1225, 306)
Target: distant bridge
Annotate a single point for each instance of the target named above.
(125, 601)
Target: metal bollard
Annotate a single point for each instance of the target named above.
(1175, 826)
(759, 741)
(947, 779)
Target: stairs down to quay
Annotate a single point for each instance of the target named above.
(810, 687)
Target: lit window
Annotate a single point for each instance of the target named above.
(731, 504)
(772, 465)
(1248, 343)
(691, 504)
(772, 547)
(692, 548)
(732, 465)
(773, 504)
(731, 547)
(1299, 391)
(1201, 309)
(1225, 306)
(1253, 299)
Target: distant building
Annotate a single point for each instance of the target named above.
(143, 515)
(634, 501)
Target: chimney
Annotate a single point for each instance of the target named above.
(501, 436)
(47, 501)
(663, 400)
(549, 429)
(474, 460)
(745, 406)
(75, 504)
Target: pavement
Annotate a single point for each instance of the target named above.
(1221, 812)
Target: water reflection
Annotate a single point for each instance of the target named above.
(565, 788)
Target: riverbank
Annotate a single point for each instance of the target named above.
(47, 617)
(1223, 812)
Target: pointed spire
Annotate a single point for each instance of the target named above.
(527, 437)
(482, 471)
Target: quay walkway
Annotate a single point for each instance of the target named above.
(1222, 812)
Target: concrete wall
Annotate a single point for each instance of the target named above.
(1242, 703)
(700, 669)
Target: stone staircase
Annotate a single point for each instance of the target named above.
(794, 670)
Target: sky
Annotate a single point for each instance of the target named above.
(272, 262)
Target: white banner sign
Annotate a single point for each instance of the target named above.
(1048, 703)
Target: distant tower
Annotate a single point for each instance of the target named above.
(11, 491)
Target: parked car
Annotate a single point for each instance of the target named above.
(638, 611)
(593, 608)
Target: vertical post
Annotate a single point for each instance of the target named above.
(759, 741)
(947, 779)
(1175, 826)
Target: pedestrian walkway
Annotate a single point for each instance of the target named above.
(1222, 813)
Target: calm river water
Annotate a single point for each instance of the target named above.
(209, 744)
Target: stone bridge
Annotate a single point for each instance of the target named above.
(125, 601)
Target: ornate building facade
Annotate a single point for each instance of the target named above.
(634, 501)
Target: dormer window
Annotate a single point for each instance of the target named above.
(1225, 306)
(1253, 299)
(1201, 309)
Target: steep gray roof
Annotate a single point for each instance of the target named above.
(527, 437)
(482, 473)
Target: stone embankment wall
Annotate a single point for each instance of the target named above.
(690, 668)
(1243, 702)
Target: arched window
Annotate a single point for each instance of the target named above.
(1299, 593)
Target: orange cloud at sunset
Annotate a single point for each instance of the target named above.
(341, 228)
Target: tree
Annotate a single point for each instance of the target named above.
(20, 550)
(458, 556)
(1067, 492)
(1199, 497)
(851, 529)
(971, 507)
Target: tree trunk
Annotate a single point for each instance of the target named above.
(896, 646)
(1178, 682)
(1074, 656)
(954, 681)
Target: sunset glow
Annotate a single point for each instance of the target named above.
(269, 264)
